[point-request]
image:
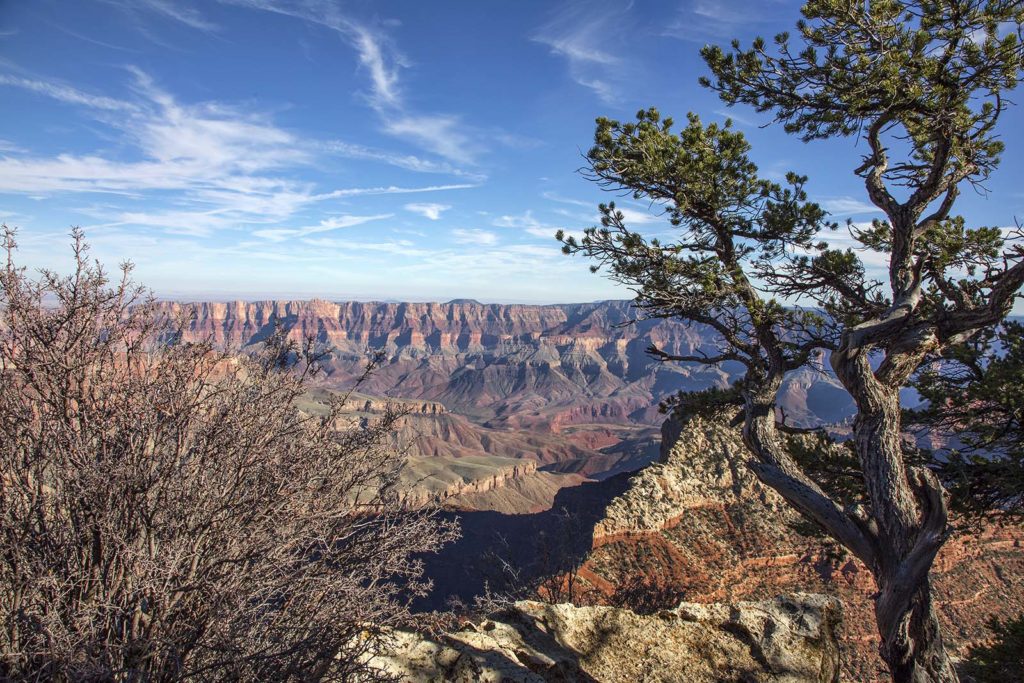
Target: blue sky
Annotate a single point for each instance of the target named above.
(370, 150)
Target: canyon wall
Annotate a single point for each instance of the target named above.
(568, 386)
(700, 523)
(510, 366)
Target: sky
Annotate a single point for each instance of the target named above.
(388, 150)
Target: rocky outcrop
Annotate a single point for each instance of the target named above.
(379, 405)
(437, 481)
(790, 639)
(701, 524)
(706, 472)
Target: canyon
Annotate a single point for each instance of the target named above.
(539, 428)
(569, 386)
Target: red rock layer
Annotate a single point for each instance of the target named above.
(700, 524)
(516, 366)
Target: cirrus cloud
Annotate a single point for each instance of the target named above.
(484, 238)
(428, 210)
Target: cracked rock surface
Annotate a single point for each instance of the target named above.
(787, 640)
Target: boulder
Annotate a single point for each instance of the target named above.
(789, 639)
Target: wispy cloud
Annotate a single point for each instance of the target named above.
(526, 223)
(8, 146)
(383, 74)
(473, 269)
(196, 223)
(390, 248)
(428, 210)
(847, 206)
(555, 197)
(442, 134)
(702, 20)
(581, 33)
(204, 148)
(219, 166)
(179, 11)
(89, 39)
(639, 215)
(484, 238)
(67, 94)
(377, 56)
(392, 189)
(409, 162)
(327, 225)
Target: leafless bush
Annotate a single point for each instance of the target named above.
(646, 594)
(167, 511)
(546, 568)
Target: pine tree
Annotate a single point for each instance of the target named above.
(921, 86)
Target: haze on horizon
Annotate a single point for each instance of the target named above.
(255, 149)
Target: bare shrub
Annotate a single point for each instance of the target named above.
(167, 511)
(646, 594)
(544, 568)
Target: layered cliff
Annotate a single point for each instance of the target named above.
(701, 524)
(511, 366)
(483, 483)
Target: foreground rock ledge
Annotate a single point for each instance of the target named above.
(791, 638)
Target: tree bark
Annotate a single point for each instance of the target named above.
(912, 645)
(909, 511)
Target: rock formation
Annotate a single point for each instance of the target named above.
(701, 523)
(789, 639)
(507, 485)
(568, 386)
(693, 475)
(510, 366)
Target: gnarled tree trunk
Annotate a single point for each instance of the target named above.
(908, 516)
(912, 644)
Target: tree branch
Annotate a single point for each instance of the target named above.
(703, 358)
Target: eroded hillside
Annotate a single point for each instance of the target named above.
(701, 523)
(515, 366)
(569, 386)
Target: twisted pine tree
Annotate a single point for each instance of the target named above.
(922, 84)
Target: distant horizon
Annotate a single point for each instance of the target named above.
(298, 298)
